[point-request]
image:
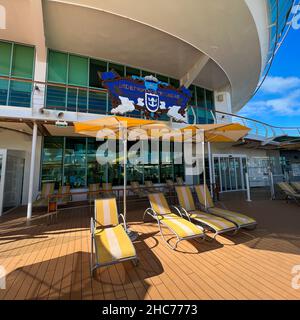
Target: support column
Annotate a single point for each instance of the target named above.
(32, 167)
(211, 177)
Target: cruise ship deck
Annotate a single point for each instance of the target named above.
(52, 261)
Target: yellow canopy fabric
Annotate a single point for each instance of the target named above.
(161, 129)
(115, 123)
(229, 132)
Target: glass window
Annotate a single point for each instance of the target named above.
(151, 172)
(5, 57)
(52, 160)
(95, 171)
(57, 67)
(162, 78)
(77, 100)
(22, 65)
(200, 97)
(117, 68)
(56, 97)
(146, 73)
(174, 82)
(96, 66)
(209, 99)
(78, 71)
(132, 72)
(97, 102)
(166, 172)
(3, 91)
(75, 162)
(20, 94)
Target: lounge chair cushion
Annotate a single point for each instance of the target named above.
(180, 226)
(106, 212)
(201, 190)
(238, 218)
(217, 223)
(113, 244)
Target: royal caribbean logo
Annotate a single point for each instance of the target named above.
(152, 101)
(147, 95)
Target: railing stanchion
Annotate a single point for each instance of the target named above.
(248, 187)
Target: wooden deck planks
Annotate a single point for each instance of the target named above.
(52, 262)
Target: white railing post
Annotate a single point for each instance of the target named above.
(248, 187)
(272, 185)
(32, 168)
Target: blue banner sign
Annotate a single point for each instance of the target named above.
(146, 94)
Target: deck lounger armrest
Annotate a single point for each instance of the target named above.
(123, 221)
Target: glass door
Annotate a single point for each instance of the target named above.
(229, 172)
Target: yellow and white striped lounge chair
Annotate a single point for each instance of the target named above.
(289, 192)
(42, 198)
(209, 221)
(108, 237)
(161, 212)
(150, 186)
(136, 189)
(296, 185)
(64, 190)
(179, 181)
(108, 190)
(241, 220)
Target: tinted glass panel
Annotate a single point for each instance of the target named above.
(56, 97)
(52, 158)
(96, 66)
(117, 68)
(20, 94)
(75, 162)
(22, 65)
(97, 102)
(132, 72)
(78, 71)
(57, 67)
(5, 57)
(3, 91)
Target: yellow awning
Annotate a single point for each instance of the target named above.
(116, 123)
(220, 132)
(161, 129)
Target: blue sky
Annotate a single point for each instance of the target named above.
(278, 100)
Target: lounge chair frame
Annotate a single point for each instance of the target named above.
(289, 195)
(249, 226)
(94, 249)
(154, 215)
(216, 233)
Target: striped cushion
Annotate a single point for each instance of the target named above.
(180, 226)
(106, 213)
(237, 218)
(185, 198)
(159, 203)
(217, 223)
(113, 244)
(201, 190)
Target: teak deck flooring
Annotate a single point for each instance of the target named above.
(52, 261)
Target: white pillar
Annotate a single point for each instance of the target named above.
(248, 187)
(204, 173)
(210, 169)
(32, 167)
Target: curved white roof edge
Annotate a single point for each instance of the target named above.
(233, 36)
